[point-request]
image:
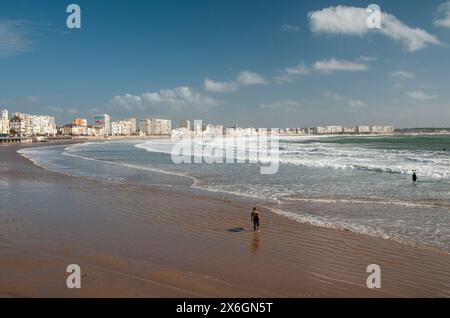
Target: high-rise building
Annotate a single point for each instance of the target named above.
(125, 127)
(4, 122)
(103, 121)
(116, 128)
(156, 126)
(319, 130)
(75, 130)
(382, 129)
(35, 125)
(334, 129)
(42, 125)
(363, 129)
(213, 130)
(26, 123)
(17, 126)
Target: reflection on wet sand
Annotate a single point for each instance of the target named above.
(255, 243)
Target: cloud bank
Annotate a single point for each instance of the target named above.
(444, 15)
(166, 101)
(344, 20)
(14, 38)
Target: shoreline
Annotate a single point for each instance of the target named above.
(204, 246)
(264, 203)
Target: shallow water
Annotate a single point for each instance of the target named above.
(360, 183)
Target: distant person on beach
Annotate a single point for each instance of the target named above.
(255, 219)
(414, 177)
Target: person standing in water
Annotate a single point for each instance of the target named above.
(414, 177)
(255, 219)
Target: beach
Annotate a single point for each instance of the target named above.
(149, 241)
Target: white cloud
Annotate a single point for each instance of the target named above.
(332, 65)
(444, 12)
(14, 38)
(33, 99)
(250, 78)
(288, 74)
(364, 58)
(167, 101)
(290, 28)
(352, 103)
(343, 20)
(420, 95)
(401, 75)
(70, 111)
(286, 105)
(355, 103)
(55, 109)
(219, 87)
(339, 20)
(297, 70)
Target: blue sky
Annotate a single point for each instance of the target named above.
(254, 62)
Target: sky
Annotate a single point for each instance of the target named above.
(260, 63)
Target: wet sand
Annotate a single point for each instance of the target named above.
(133, 241)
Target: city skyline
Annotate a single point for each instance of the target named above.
(255, 63)
(31, 125)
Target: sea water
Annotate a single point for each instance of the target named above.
(358, 183)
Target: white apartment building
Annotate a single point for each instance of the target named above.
(382, 129)
(349, 130)
(17, 126)
(126, 127)
(213, 130)
(116, 128)
(241, 132)
(103, 122)
(363, 129)
(25, 126)
(334, 129)
(4, 122)
(42, 125)
(319, 130)
(155, 126)
(75, 130)
(182, 132)
(34, 125)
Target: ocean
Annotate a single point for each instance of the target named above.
(356, 183)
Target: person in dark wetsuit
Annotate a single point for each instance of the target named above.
(255, 219)
(414, 177)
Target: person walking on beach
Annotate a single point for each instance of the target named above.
(414, 177)
(255, 219)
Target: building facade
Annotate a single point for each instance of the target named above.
(155, 126)
(33, 125)
(42, 125)
(125, 127)
(17, 126)
(213, 130)
(4, 123)
(74, 130)
(382, 129)
(103, 122)
(363, 129)
(334, 129)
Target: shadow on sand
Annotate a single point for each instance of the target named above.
(236, 229)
